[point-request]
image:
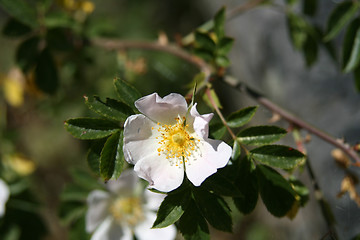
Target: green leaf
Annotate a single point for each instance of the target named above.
(172, 208)
(236, 151)
(204, 54)
(204, 41)
(58, 19)
(46, 76)
(241, 117)
(90, 128)
(222, 61)
(310, 50)
(357, 78)
(247, 183)
(217, 130)
(21, 10)
(126, 92)
(27, 53)
(214, 97)
(278, 156)
(84, 179)
(219, 23)
(111, 109)
(276, 193)
(297, 29)
(192, 224)
(93, 156)
(60, 39)
(111, 158)
(260, 135)
(214, 209)
(224, 46)
(340, 16)
(15, 28)
(74, 193)
(221, 185)
(351, 46)
(71, 211)
(309, 7)
(301, 190)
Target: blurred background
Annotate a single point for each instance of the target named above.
(34, 142)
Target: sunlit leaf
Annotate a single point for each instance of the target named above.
(224, 46)
(222, 61)
(260, 135)
(241, 117)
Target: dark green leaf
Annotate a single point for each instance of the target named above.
(278, 156)
(204, 41)
(27, 53)
(60, 39)
(204, 54)
(172, 208)
(357, 79)
(21, 10)
(217, 130)
(222, 61)
(224, 46)
(241, 117)
(111, 158)
(46, 76)
(219, 23)
(309, 7)
(214, 209)
(246, 182)
(236, 151)
(93, 156)
(340, 16)
(221, 185)
(90, 128)
(261, 135)
(71, 211)
(301, 190)
(310, 50)
(14, 28)
(275, 191)
(126, 92)
(297, 29)
(192, 224)
(351, 46)
(111, 109)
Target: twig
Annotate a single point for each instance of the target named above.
(243, 8)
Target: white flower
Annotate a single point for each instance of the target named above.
(4, 196)
(120, 212)
(168, 139)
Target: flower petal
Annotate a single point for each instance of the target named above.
(163, 110)
(98, 202)
(110, 230)
(137, 132)
(200, 123)
(4, 196)
(125, 183)
(160, 174)
(143, 231)
(213, 154)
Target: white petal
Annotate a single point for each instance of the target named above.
(137, 131)
(125, 183)
(110, 230)
(213, 154)
(200, 123)
(153, 200)
(163, 110)
(4, 196)
(159, 173)
(98, 202)
(143, 231)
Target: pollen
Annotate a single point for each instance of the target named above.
(176, 142)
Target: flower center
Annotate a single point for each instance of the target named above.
(176, 142)
(127, 209)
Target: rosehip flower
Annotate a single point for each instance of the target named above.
(123, 210)
(168, 139)
(4, 196)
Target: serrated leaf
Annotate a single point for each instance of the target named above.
(21, 10)
(111, 109)
(172, 208)
(126, 92)
(46, 75)
(214, 209)
(192, 224)
(241, 117)
(219, 23)
(275, 191)
(204, 41)
(90, 128)
(27, 53)
(111, 158)
(217, 130)
(14, 28)
(261, 135)
(93, 155)
(277, 156)
(351, 46)
(246, 182)
(310, 7)
(340, 16)
(221, 185)
(224, 46)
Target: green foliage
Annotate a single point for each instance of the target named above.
(15, 28)
(277, 156)
(351, 47)
(46, 76)
(260, 135)
(21, 10)
(241, 117)
(309, 7)
(126, 92)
